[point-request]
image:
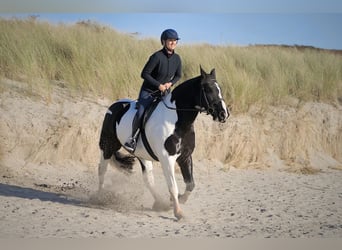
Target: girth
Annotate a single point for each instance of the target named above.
(146, 116)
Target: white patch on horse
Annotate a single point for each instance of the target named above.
(219, 90)
(223, 104)
(155, 130)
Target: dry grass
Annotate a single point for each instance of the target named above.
(91, 58)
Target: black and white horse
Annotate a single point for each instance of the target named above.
(168, 135)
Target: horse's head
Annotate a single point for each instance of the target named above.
(210, 98)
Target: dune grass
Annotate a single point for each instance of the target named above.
(91, 58)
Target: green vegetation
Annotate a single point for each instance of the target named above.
(91, 58)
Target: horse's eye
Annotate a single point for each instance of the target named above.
(208, 90)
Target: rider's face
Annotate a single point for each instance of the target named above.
(170, 44)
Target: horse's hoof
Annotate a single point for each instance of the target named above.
(179, 215)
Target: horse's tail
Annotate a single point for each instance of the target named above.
(109, 143)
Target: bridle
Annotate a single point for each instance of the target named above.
(211, 107)
(198, 108)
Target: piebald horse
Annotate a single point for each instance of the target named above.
(167, 136)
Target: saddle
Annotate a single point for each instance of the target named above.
(148, 112)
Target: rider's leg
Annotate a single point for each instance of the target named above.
(145, 99)
(136, 122)
(132, 141)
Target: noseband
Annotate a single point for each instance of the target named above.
(210, 107)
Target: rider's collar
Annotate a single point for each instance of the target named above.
(166, 52)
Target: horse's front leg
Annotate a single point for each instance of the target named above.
(168, 166)
(186, 166)
(185, 163)
(147, 171)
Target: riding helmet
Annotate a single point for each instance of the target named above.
(169, 34)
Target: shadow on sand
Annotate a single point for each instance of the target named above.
(30, 193)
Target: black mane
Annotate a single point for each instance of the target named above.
(185, 94)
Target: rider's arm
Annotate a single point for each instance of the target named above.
(178, 73)
(146, 73)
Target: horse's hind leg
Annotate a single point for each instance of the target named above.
(103, 165)
(108, 144)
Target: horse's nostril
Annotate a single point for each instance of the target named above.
(222, 115)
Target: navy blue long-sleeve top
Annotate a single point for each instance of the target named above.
(161, 68)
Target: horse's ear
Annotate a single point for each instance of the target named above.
(203, 74)
(213, 73)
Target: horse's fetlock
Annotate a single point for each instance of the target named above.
(178, 214)
(190, 186)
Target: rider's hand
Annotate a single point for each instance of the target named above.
(162, 87)
(165, 86)
(168, 85)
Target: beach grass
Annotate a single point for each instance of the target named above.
(90, 58)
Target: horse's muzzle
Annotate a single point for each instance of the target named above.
(223, 116)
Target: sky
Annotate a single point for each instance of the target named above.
(217, 22)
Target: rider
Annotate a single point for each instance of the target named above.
(162, 70)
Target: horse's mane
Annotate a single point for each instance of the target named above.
(183, 90)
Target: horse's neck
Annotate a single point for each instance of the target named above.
(185, 97)
(185, 93)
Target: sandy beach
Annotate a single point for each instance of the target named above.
(264, 174)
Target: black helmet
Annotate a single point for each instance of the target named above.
(169, 34)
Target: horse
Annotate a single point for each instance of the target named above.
(167, 136)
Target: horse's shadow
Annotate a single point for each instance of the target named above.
(30, 193)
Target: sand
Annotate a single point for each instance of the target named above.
(269, 173)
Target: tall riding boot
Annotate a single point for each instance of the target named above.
(131, 144)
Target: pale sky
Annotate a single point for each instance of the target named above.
(218, 22)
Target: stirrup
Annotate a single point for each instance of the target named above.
(131, 145)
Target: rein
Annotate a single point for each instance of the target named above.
(172, 108)
(196, 108)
